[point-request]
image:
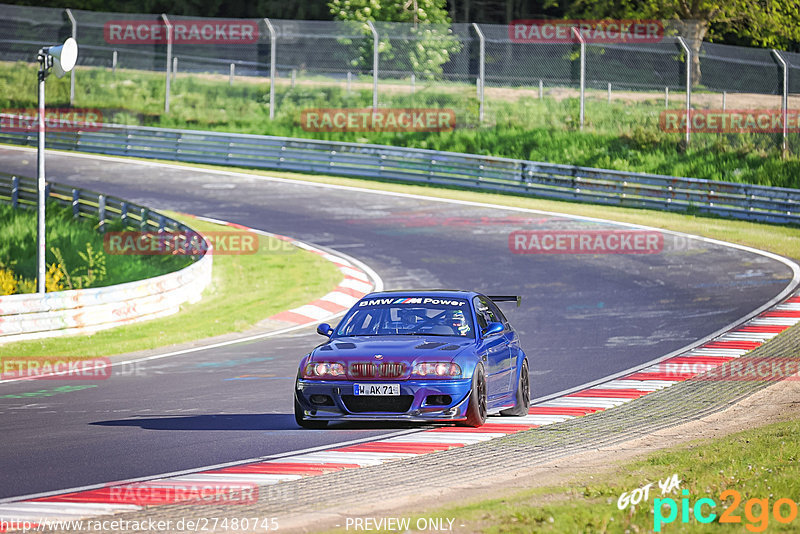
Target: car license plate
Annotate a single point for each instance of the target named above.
(380, 390)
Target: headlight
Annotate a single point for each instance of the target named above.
(323, 370)
(436, 370)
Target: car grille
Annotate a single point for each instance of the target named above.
(362, 370)
(391, 370)
(373, 370)
(362, 403)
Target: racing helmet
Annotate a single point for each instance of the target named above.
(458, 321)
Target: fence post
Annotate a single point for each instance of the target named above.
(273, 39)
(14, 192)
(784, 98)
(609, 92)
(76, 203)
(169, 59)
(481, 68)
(375, 57)
(233, 73)
(541, 89)
(578, 35)
(174, 67)
(72, 72)
(666, 97)
(724, 100)
(349, 80)
(114, 58)
(688, 52)
(123, 214)
(101, 212)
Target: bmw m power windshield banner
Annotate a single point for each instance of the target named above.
(430, 301)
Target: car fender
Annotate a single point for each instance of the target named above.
(521, 357)
(467, 359)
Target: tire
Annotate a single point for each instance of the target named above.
(476, 412)
(303, 422)
(523, 399)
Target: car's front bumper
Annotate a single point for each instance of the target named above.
(413, 406)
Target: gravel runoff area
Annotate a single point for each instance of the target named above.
(316, 503)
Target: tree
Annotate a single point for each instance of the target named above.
(422, 47)
(769, 23)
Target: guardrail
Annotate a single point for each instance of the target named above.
(33, 316)
(564, 182)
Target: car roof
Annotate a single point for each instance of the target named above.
(448, 293)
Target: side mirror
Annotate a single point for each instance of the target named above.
(492, 329)
(325, 330)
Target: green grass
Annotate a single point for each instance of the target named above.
(762, 463)
(620, 135)
(71, 236)
(245, 289)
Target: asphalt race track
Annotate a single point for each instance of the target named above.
(583, 317)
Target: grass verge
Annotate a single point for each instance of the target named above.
(622, 134)
(244, 290)
(758, 464)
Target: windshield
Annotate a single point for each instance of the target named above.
(408, 316)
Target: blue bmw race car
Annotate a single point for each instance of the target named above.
(417, 356)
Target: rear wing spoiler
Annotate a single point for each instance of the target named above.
(506, 298)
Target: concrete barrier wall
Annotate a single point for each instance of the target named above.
(34, 316)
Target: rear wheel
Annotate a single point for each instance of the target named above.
(523, 399)
(476, 412)
(299, 417)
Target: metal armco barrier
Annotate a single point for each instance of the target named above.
(33, 316)
(564, 182)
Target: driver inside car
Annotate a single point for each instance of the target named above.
(459, 322)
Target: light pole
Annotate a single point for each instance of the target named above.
(61, 59)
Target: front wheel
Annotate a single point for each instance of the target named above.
(299, 417)
(476, 412)
(523, 399)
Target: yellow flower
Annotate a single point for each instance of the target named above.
(8, 282)
(55, 274)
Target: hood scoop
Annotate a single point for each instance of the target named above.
(451, 347)
(430, 345)
(345, 345)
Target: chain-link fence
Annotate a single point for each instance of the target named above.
(188, 70)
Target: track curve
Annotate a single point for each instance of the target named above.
(583, 317)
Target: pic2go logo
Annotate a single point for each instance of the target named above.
(756, 511)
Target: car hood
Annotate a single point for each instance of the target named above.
(397, 355)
